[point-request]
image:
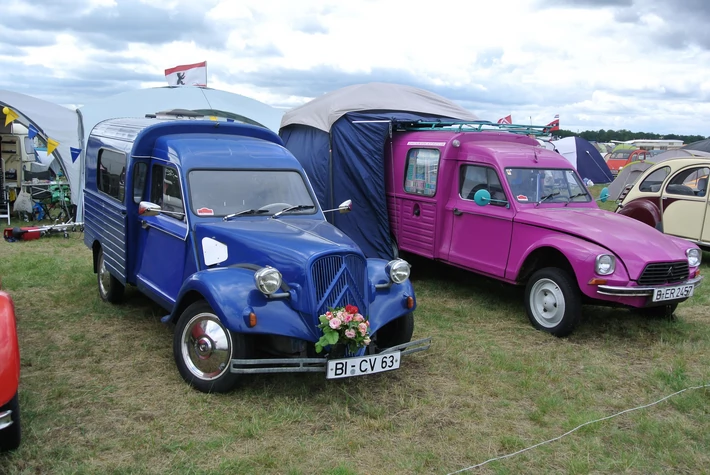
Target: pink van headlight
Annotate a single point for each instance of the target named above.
(605, 264)
(695, 257)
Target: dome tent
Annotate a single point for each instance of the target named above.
(340, 137)
(585, 158)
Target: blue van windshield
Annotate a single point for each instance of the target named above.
(224, 192)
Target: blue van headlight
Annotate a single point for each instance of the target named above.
(398, 270)
(267, 280)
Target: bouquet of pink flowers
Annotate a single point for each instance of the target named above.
(343, 325)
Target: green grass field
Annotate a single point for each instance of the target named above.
(100, 392)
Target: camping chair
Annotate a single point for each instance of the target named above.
(50, 202)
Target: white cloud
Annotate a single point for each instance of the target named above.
(630, 64)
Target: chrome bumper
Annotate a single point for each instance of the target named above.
(311, 365)
(5, 419)
(642, 291)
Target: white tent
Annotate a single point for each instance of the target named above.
(52, 121)
(211, 102)
(322, 112)
(140, 102)
(71, 128)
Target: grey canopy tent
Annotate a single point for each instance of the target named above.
(678, 153)
(627, 176)
(340, 138)
(702, 145)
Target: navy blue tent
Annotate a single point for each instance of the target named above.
(586, 159)
(340, 137)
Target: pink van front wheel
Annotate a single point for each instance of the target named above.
(553, 301)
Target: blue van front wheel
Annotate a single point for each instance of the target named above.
(204, 348)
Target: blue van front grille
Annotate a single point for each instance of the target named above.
(339, 280)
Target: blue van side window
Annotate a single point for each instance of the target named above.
(111, 170)
(165, 190)
(140, 173)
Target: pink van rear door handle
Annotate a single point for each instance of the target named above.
(457, 212)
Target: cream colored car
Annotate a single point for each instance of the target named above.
(672, 196)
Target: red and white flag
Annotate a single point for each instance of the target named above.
(554, 125)
(187, 75)
(506, 120)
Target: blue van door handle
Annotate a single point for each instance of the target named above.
(144, 224)
(457, 212)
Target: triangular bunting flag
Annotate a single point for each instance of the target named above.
(32, 131)
(74, 153)
(51, 145)
(10, 115)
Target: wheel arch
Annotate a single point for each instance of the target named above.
(188, 299)
(644, 210)
(546, 256)
(95, 248)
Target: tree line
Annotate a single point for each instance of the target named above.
(623, 135)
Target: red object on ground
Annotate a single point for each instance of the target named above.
(27, 233)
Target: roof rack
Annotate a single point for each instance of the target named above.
(474, 126)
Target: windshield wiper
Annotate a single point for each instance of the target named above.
(293, 208)
(244, 212)
(582, 193)
(547, 197)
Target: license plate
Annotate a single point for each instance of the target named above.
(362, 365)
(673, 293)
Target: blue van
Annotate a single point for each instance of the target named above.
(217, 223)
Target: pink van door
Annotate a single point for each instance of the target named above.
(417, 205)
(480, 235)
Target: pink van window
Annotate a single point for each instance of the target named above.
(422, 169)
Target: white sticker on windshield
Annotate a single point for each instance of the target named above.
(205, 212)
(522, 198)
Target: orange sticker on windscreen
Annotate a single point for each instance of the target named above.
(205, 212)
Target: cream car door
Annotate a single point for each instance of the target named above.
(685, 202)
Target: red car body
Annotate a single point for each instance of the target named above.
(9, 375)
(619, 159)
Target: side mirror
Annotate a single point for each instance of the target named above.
(345, 207)
(483, 197)
(604, 195)
(146, 208)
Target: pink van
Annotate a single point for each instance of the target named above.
(492, 202)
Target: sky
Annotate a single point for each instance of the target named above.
(640, 65)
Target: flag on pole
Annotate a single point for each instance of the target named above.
(554, 125)
(508, 119)
(187, 75)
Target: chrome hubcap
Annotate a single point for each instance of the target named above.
(206, 347)
(547, 303)
(104, 277)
